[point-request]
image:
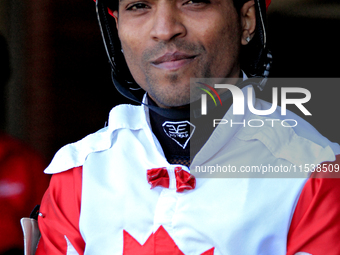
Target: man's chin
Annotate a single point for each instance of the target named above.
(173, 102)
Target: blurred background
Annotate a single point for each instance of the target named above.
(60, 88)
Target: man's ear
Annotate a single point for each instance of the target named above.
(115, 15)
(248, 21)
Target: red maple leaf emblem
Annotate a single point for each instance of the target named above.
(158, 243)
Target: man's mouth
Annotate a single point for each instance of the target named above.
(173, 61)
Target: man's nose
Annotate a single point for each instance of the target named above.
(167, 24)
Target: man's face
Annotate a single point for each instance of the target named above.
(167, 42)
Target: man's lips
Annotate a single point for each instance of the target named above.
(173, 61)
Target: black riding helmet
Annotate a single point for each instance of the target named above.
(255, 57)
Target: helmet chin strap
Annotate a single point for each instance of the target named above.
(171, 113)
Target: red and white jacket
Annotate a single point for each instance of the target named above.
(100, 202)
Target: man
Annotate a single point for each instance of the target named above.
(99, 200)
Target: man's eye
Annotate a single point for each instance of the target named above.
(197, 2)
(137, 6)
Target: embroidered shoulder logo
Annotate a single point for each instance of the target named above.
(180, 131)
